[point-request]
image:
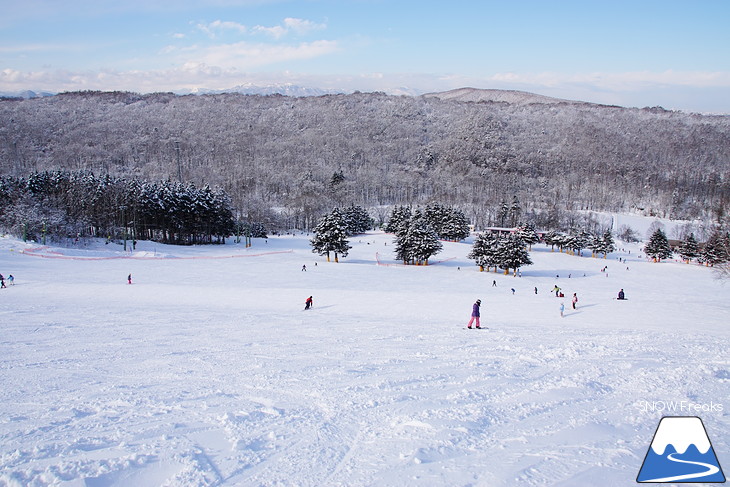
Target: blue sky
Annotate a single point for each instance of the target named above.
(632, 53)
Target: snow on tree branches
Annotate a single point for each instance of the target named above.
(416, 241)
(506, 252)
(330, 236)
(658, 246)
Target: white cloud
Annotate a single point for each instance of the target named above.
(212, 28)
(298, 26)
(246, 55)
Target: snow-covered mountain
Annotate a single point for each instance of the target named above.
(27, 94)
(508, 96)
(287, 89)
(681, 432)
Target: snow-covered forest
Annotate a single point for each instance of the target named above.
(287, 161)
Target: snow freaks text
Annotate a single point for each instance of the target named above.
(678, 407)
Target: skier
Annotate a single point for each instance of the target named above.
(475, 314)
(308, 303)
(11, 279)
(562, 309)
(304, 268)
(535, 289)
(494, 283)
(513, 290)
(129, 279)
(575, 300)
(621, 295)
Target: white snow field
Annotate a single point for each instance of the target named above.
(206, 371)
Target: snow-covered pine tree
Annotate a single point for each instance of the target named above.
(330, 236)
(526, 232)
(448, 222)
(551, 238)
(603, 244)
(658, 246)
(457, 226)
(418, 242)
(357, 220)
(484, 251)
(513, 253)
(717, 249)
(608, 243)
(581, 240)
(436, 215)
(399, 220)
(689, 248)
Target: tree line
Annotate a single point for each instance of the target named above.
(80, 204)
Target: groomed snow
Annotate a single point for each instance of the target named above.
(206, 371)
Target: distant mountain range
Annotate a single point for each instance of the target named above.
(507, 96)
(512, 97)
(27, 94)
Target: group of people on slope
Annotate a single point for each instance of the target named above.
(10, 279)
(476, 315)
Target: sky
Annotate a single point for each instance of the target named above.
(673, 54)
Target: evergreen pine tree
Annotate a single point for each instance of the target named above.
(717, 249)
(551, 238)
(399, 219)
(330, 236)
(484, 251)
(356, 219)
(689, 249)
(513, 254)
(527, 234)
(658, 246)
(418, 242)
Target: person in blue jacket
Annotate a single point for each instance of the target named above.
(475, 314)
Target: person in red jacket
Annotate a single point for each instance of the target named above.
(308, 303)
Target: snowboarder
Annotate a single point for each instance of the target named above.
(575, 300)
(535, 289)
(562, 309)
(494, 283)
(304, 268)
(129, 279)
(475, 314)
(308, 303)
(621, 295)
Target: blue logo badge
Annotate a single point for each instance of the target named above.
(681, 452)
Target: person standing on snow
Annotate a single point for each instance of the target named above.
(575, 300)
(562, 310)
(129, 279)
(475, 314)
